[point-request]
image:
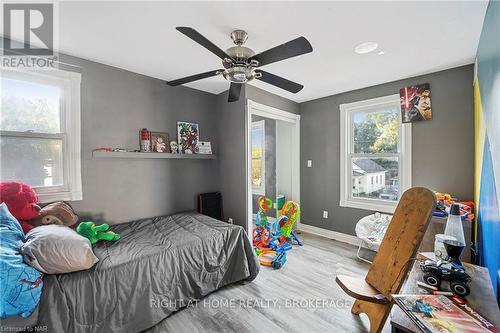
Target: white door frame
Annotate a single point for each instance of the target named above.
(254, 108)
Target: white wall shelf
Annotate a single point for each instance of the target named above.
(116, 154)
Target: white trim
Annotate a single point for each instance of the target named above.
(338, 236)
(254, 108)
(73, 122)
(70, 131)
(404, 155)
(296, 168)
(370, 103)
(276, 136)
(261, 190)
(248, 174)
(263, 110)
(33, 135)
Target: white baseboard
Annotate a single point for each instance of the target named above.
(341, 237)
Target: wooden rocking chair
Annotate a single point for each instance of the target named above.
(393, 260)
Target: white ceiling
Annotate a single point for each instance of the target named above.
(417, 38)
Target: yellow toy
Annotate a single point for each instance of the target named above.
(291, 210)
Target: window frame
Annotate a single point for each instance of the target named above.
(404, 155)
(261, 190)
(70, 131)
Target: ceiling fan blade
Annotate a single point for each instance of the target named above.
(234, 92)
(200, 39)
(280, 82)
(194, 77)
(290, 49)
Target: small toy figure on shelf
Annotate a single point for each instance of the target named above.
(145, 137)
(173, 147)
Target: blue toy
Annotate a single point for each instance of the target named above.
(296, 238)
(272, 241)
(276, 226)
(21, 284)
(279, 260)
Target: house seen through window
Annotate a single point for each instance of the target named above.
(375, 155)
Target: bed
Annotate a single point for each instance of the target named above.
(158, 266)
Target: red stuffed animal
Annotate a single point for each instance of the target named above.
(21, 201)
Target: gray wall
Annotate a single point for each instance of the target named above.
(231, 156)
(115, 104)
(264, 97)
(442, 148)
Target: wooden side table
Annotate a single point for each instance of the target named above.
(481, 298)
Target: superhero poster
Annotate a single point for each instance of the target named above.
(188, 135)
(416, 103)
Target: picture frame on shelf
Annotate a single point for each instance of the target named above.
(188, 136)
(204, 147)
(160, 142)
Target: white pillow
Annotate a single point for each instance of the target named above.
(55, 249)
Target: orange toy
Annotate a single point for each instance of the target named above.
(261, 237)
(265, 203)
(266, 257)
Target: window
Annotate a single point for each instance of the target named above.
(375, 154)
(258, 158)
(40, 132)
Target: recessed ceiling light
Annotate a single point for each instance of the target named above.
(381, 53)
(365, 47)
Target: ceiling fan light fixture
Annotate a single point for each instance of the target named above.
(239, 74)
(366, 47)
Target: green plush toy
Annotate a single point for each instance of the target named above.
(96, 233)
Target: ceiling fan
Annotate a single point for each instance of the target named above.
(241, 63)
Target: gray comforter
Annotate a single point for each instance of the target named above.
(153, 270)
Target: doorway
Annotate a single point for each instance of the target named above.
(273, 158)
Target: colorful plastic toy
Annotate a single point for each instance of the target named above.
(272, 241)
(264, 205)
(279, 260)
(266, 257)
(444, 202)
(261, 218)
(291, 210)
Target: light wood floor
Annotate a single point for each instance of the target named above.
(300, 297)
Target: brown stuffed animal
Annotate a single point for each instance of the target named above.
(56, 213)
